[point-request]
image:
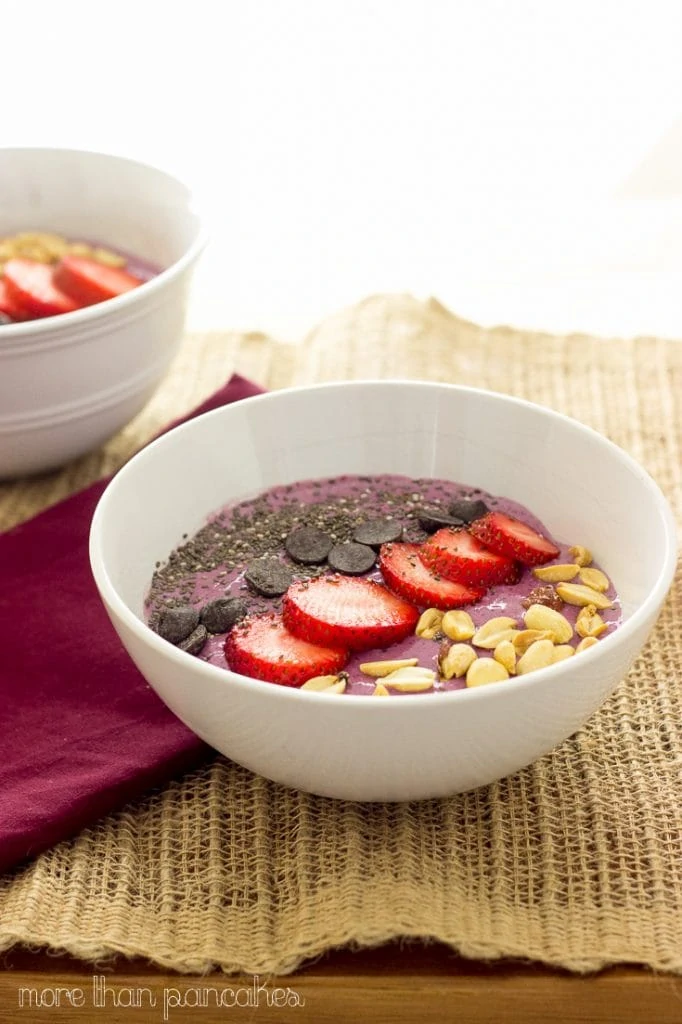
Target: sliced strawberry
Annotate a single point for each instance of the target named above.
(261, 647)
(512, 538)
(347, 612)
(406, 574)
(30, 287)
(458, 556)
(89, 282)
(8, 307)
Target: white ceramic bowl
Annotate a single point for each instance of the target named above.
(583, 487)
(69, 382)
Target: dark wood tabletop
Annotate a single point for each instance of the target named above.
(398, 983)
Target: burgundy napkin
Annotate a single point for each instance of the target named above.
(81, 732)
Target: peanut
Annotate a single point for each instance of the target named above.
(429, 623)
(494, 631)
(525, 637)
(556, 573)
(589, 622)
(539, 655)
(595, 578)
(505, 654)
(382, 668)
(578, 594)
(456, 661)
(581, 556)
(539, 616)
(410, 680)
(484, 671)
(458, 625)
(327, 684)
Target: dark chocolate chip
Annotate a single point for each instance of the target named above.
(432, 519)
(194, 644)
(176, 624)
(269, 577)
(413, 533)
(376, 532)
(220, 615)
(467, 511)
(352, 559)
(308, 545)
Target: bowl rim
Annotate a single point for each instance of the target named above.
(28, 330)
(562, 669)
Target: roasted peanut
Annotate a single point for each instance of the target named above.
(578, 594)
(327, 684)
(580, 555)
(539, 616)
(539, 655)
(505, 654)
(458, 625)
(377, 669)
(494, 631)
(556, 573)
(595, 578)
(410, 680)
(456, 661)
(429, 623)
(589, 622)
(525, 637)
(484, 671)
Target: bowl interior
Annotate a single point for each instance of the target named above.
(99, 198)
(584, 489)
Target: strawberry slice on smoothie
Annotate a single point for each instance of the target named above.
(263, 648)
(458, 556)
(405, 573)
(8, 307)
(89, 282)
(513, 539)
(31, 288)
(349, 612)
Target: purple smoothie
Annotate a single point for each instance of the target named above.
(204, 568)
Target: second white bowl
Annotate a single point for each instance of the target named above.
(69, 382)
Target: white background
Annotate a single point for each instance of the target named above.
(520, 160)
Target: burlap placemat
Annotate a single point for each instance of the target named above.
(575, 861)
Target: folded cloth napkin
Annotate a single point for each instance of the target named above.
(82, 732)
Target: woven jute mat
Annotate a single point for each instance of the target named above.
(575, 861)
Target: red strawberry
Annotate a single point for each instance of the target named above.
(458, 556)
(261, 647)
(30, 287)
(404, 572)
(7, 306)
(512, 538)
(89, 282)
(348, 612)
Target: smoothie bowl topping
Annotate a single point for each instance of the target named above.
(43, 274)
(380, 585)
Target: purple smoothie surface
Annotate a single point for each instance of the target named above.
(211, 564)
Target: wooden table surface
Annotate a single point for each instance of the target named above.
(390, 985)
